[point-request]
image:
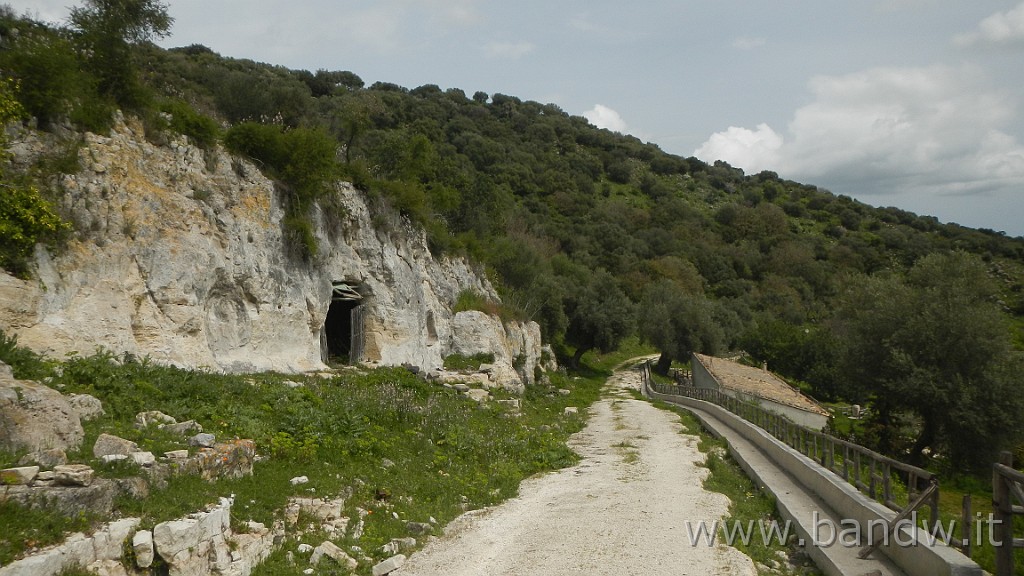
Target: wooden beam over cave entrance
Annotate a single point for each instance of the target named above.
(341, 339)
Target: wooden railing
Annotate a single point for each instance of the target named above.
(1007, 487)
(890, 482)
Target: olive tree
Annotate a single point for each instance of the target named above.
(108, 29)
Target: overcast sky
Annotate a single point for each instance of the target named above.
(911, 103)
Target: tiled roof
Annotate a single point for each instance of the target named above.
(758, 383)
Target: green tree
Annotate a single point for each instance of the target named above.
(935, 345)
(678, 324)
(107, 30)
(600, 315)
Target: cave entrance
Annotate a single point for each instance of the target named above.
(342, 336)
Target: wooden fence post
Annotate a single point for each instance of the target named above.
(965, 528)
(1003, 508)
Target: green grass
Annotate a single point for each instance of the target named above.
(449, 453)
(458, 362)
(28, 529)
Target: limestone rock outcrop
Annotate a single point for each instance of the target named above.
(180, 256)
(35, 418)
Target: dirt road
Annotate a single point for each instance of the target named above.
(621, 511)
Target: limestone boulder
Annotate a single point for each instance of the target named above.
(87, 407)
(35, 417)
(110, 445)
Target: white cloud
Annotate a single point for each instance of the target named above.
(604, 117)
(1000, 28)
(752, 150)
(511, 50)
(924, 131)
(745, 43)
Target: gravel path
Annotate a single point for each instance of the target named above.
(621, 511)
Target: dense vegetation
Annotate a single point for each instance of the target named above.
(595, 235)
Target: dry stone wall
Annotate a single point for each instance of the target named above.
(179, 255)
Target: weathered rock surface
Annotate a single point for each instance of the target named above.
(110, 445)
(104, 546)
(332, 551)
(142, 546)
(203, 543)
(96, 498)
(46, 458)
(390, 565)
(232, 459)
(87, 407)
(181, 257)
(21, 476)
(73, 475)
(34, 417)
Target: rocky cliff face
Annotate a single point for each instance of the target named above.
(180, 257)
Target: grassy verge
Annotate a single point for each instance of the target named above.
(398, 448)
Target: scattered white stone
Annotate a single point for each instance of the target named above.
(419, 528)
(478, 394)
(87, 407)
(332, 551)
(512, 404)
(305, 548)
(299, 480)
(564, 392)
(390, 565)
(109, 458)
(153, 418)
(145, 459)
(21, 476)
(398, 545)
(204, 440)
(461, 388)
(45, 458)
(108, 444)
(73, 475)
(176, 454)
(142, 545)
(571, 411)
(183, 428)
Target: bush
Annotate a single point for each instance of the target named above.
(304, 160)
(26, 364)
(26, 218)
(203, 130)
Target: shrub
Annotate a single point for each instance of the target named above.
(304, 160)
(186, 120)
(26, 364)
(26, 218)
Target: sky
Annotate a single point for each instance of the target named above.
(917, 104)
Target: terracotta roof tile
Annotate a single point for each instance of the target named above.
(758, 383)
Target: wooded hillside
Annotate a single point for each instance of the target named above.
(595, 235)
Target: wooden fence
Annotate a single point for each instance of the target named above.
(896, 485)
(1007, 488)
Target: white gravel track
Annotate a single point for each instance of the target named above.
(621, 511)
